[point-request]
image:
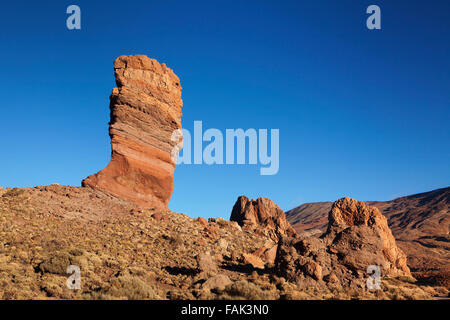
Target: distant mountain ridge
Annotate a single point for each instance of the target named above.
(419, 222)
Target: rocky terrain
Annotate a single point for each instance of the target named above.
(115, 238)
(125, 252)
(420, 223)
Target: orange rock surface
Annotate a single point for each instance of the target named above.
(261, 215)
(350, 220)
(145, 111)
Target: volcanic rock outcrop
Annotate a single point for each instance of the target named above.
(145, 111)
(357, 237)
(420, 223)
(353, 222)
(262, 215)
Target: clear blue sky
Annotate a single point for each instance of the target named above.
(361, 113)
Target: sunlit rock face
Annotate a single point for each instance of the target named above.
(145, 111)
(358, 238)
(261, 215)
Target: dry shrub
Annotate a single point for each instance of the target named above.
(131, 288)
(57, 264)
(243, 289)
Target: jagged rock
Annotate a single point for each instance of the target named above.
(145, 111)
(313, 270)
(267, 253)
(270, 254)
(358, 236)
(295, 259)
(419, 223)
(261, 215)
(361, 235)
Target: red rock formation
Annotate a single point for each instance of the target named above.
(261, 215)
(357, 237)
(420, 224)
(354, 221)
(145, 111)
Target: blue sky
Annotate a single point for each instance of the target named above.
(361, 113)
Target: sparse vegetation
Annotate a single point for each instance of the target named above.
(245, 290)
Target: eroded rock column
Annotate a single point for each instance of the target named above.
(145, 111)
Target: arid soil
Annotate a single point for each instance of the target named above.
(130, 253)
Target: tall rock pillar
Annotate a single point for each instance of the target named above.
(145, 111)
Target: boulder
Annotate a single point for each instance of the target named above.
(296, 259)
(361, 236)
(267, 253)
(206, 263)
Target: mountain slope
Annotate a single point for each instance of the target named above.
(309, 217)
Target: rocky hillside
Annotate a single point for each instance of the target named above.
(420, 223)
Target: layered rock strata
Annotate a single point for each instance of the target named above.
(145, 111)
